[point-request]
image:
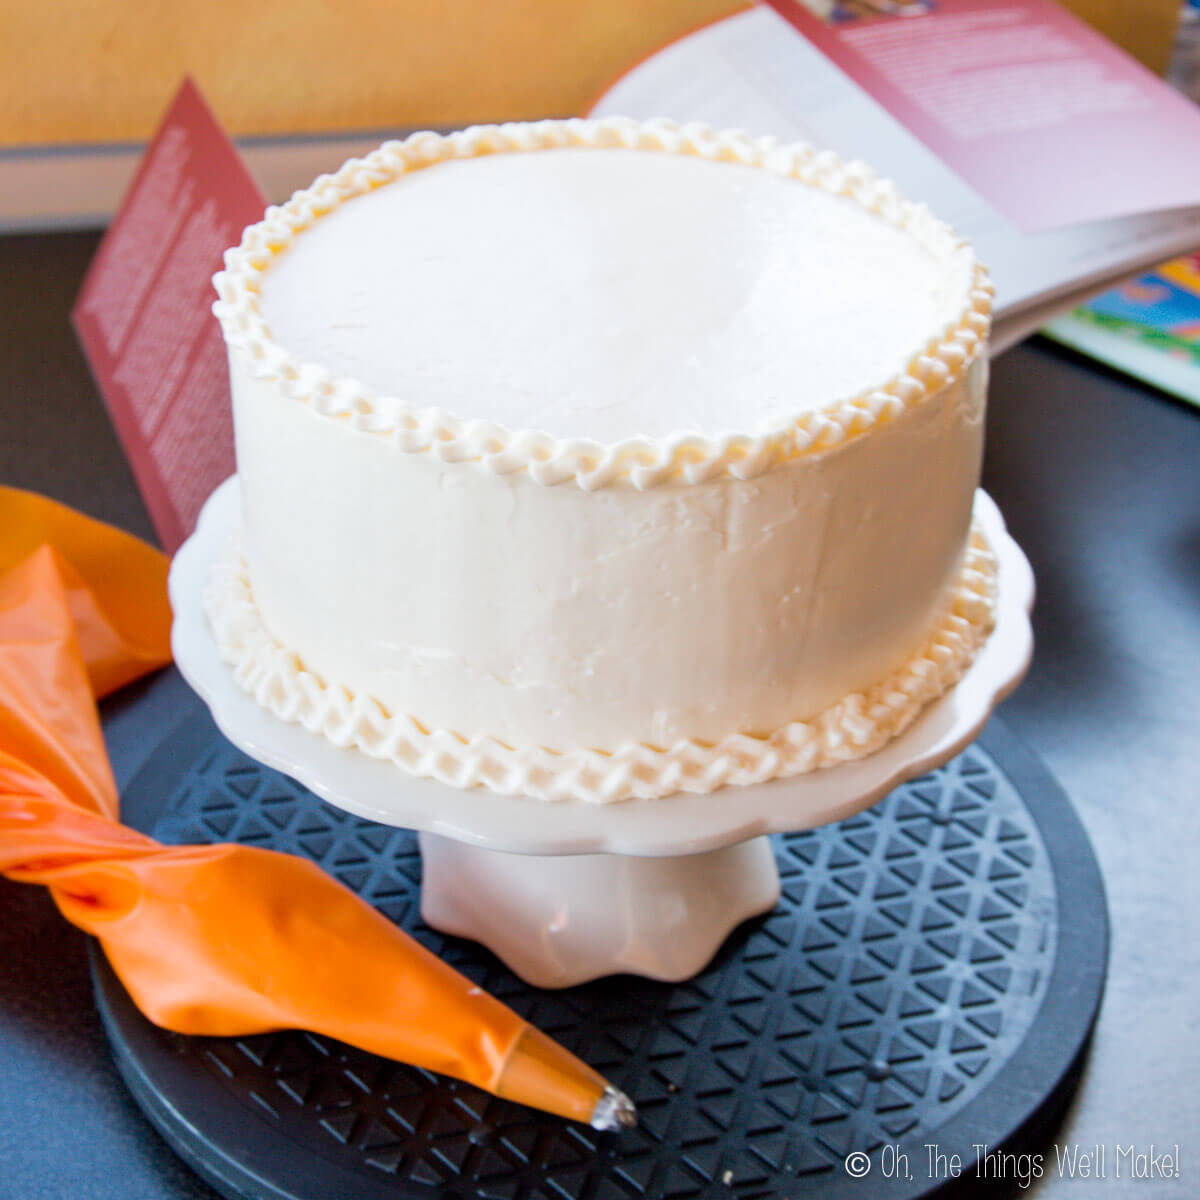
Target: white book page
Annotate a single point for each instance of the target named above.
(754, 71)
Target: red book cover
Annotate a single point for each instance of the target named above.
(144, 313)
(1047, 120)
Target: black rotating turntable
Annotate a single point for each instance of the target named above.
(930, 977)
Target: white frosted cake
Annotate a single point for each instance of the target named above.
(604, 460)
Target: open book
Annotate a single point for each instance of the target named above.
(755, 71)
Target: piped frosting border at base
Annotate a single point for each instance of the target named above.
(642, 462)
(856, 726)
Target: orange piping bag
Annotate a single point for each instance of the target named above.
(217, 940)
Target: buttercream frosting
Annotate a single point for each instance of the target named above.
(594, 568)
(453, 436)
(857, 725)
(675, 285)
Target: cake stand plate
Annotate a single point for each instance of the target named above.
(930, 976)
(651, 887)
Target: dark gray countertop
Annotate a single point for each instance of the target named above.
(1099, 480)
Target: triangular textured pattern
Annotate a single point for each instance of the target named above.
(756, 1078)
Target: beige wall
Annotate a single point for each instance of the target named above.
(102, 70)
(99, 70)
(1146, 28)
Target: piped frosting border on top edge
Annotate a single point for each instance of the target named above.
(857, 725)
(641, 461)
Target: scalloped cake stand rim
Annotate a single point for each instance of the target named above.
(676, 825)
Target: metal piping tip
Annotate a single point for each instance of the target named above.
(614, 1111)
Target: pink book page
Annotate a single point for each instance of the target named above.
(1047, 120)
(144, 313)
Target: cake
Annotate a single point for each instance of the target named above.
(604, 460)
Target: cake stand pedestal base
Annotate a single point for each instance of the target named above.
(559, 920)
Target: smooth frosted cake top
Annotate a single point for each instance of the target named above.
(683, 306)
(609, 294)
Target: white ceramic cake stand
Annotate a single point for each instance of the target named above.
(565, 892)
